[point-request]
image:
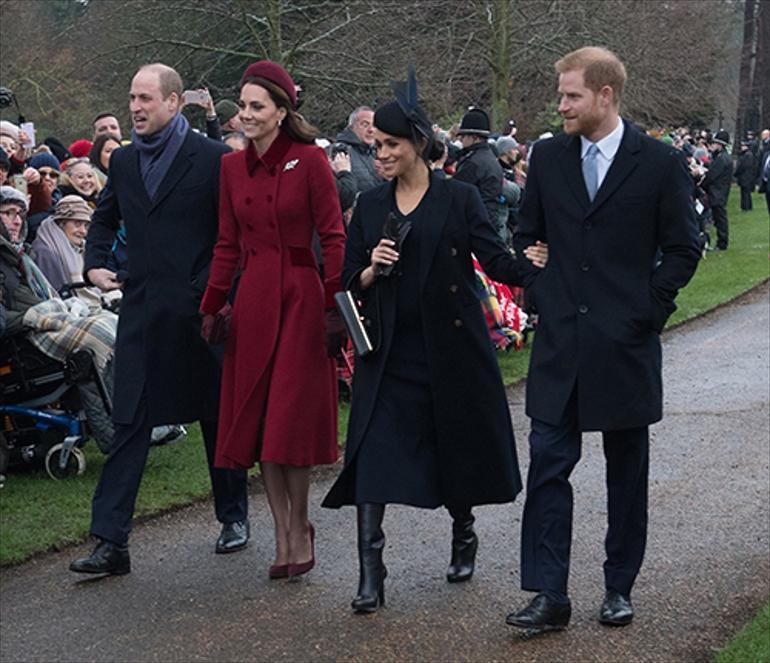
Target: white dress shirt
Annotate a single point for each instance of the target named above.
(608, 148)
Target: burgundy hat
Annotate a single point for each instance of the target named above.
(274, 73)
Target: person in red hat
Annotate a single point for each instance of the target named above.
(278, 402)
(80, 148)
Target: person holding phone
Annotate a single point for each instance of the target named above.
(429, 422)
(279, 388)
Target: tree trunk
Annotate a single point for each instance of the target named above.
(762, 69)
(275, 47)
(744, 79)
(502, 65)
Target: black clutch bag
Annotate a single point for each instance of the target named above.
(354, 322)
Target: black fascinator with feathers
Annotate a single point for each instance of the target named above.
(404, 117)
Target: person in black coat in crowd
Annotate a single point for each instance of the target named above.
(616, 210)
(746, 175)
(717, 183)
(478, 165)
(429, 424)
(165, 187)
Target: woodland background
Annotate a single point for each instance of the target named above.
(690, 62)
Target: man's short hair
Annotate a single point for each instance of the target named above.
(600, 67)
(101, 116)
(354, 115)
(169, 80)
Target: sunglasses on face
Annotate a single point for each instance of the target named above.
(52, 174)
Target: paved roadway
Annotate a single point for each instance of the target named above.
(707, 567)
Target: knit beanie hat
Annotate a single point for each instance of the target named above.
(10, 195)
(80, 148)
(9, 129)
(505, 144)
(43, 160)
(226, 110)
(72, 208)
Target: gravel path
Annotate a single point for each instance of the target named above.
(707, 568)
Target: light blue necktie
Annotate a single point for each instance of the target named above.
(590, 172)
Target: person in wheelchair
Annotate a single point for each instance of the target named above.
(35, 313)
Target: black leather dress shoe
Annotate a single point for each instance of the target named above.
(542, 614)
(107, 558)
(616, 609)
(233, 537)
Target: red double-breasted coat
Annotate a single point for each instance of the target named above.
(279, 389)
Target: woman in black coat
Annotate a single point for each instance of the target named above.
(429, 424)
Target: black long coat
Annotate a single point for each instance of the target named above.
(475, 438)
(170, 244)
(746, 170)
(602, 297)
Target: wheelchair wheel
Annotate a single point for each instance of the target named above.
(76, 463)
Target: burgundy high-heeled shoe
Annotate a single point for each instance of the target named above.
(296, 570)
(277, 571)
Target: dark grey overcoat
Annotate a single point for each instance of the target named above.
(475, 438)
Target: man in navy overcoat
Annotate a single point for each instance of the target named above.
(615, 208)
(164, 186)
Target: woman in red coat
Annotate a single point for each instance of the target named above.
(278, 402)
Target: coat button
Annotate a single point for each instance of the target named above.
(247, 200)
(270, 199)
(453, 251)
(582, 308)
(253, 252)
(458, 323)
(271, 224)
(453, 288)
(585, 267)
(250, 226)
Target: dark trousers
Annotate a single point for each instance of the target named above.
(746, 199)
(547, 524)
(719, 215)
(113, 504)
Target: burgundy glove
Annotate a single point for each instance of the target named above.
(214, 328)
(335, 332)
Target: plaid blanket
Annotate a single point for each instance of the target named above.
(60, 327)
(505, 320)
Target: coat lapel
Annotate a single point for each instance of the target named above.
(623, 165)
(178, 169)
(439, 201)
(570, 166)
(136, 184)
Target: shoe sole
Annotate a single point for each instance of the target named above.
(94, 572)
(615, 622)
(540, 628)
(227, 551)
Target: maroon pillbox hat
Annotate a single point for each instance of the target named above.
(274, 73)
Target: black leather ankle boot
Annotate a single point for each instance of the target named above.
(371, 541)
(464, 545)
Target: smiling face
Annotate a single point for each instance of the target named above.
(259, 115)
(395, 155)
(76, 231)
(83, 179)
(8, 145)
(150, 112)
(585, 112)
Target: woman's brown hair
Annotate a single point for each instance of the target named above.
(294, 126)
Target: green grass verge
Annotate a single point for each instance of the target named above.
(751, 644)
(38, 514)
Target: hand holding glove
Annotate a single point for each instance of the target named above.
(214, 327)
